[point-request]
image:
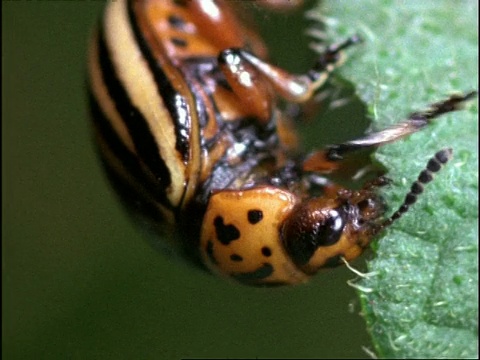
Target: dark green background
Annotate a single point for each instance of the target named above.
(79, 281)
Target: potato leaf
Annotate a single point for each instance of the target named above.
(421, 299)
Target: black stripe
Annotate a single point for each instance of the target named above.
(136, 201)
(136, 124)
(175, 103)
(128, 160)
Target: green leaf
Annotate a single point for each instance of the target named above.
(421, 299)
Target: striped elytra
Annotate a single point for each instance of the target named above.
(190, 129)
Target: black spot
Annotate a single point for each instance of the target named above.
(225, 233)
(236, 257)
(334, 261)
(176, 22)
(178, 42)
(255, 216)
(180, 2)
(266, 251)
(209, 251)
(261, 273)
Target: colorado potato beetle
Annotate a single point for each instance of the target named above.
(190, 129)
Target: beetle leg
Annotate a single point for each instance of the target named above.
(300, 88)
(327, 160)
(242, 69)
(255, 95)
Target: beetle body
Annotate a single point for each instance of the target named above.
(190, 129)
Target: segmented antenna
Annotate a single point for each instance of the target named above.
(415, 122)
(453, 103)
(434, 165)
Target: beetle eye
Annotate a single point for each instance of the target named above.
(329, 232)
(309, 228)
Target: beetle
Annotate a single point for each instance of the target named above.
(189, 126)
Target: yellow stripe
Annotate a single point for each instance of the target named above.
(101, 94)
(123, 173)
(134, 73)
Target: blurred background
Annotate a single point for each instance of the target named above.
(79, 280)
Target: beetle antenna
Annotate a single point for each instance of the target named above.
(455, 102)
(433, 166)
